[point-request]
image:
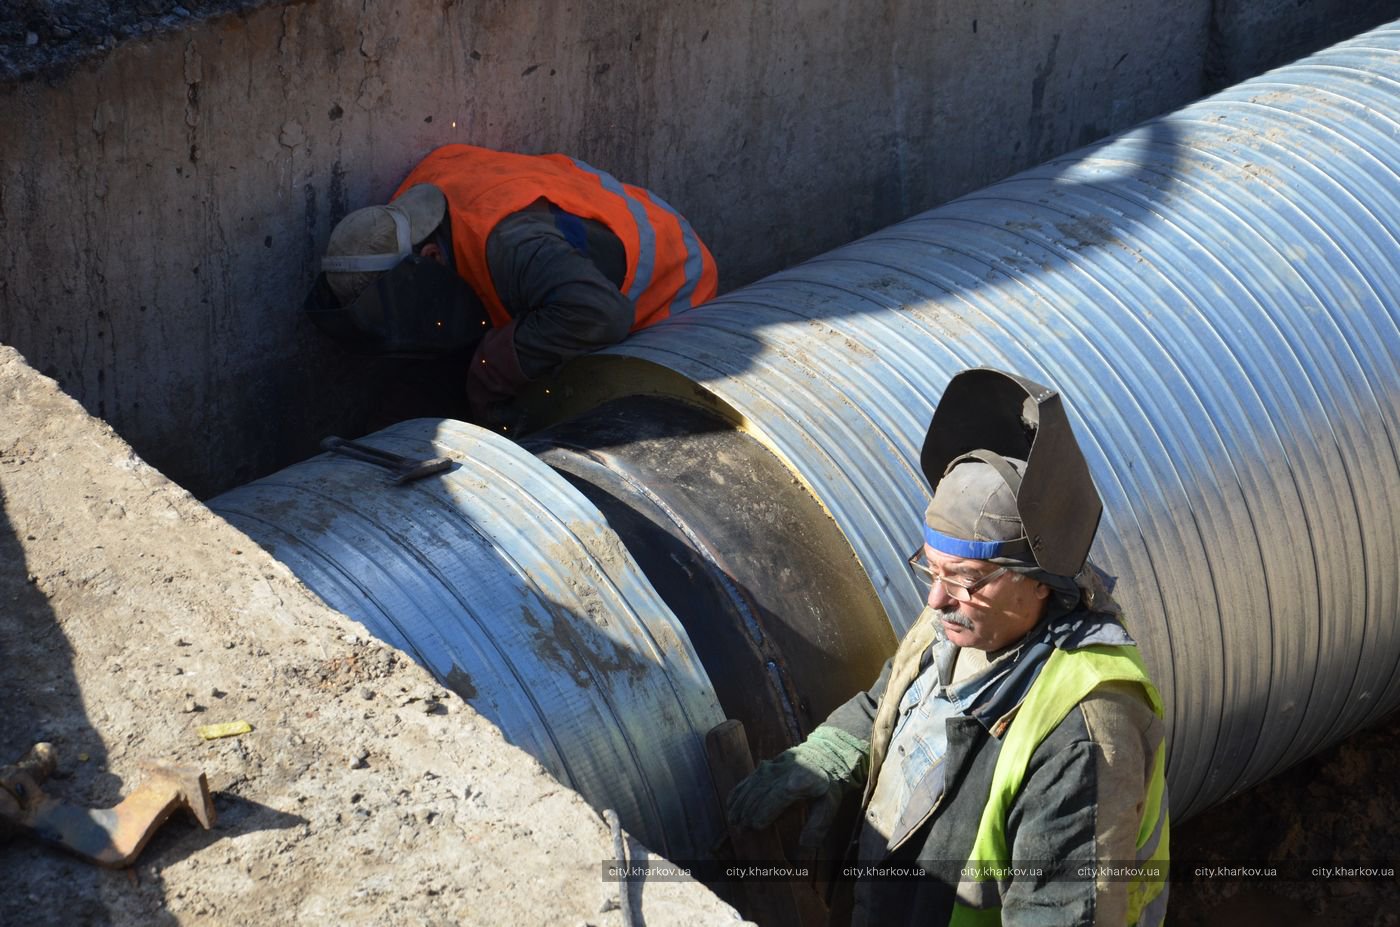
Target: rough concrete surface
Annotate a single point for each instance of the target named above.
(46, 37)
(1251, 36)
(366, 794)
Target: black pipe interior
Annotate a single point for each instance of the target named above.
(772, 596)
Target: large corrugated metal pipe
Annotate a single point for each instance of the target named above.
(717, 524)
(1215, 294)
(508, 585)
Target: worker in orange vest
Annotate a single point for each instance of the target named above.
(526, 261)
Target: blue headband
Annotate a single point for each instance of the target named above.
(967, 550)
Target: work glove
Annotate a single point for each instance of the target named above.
(495, 376)
(825, 766)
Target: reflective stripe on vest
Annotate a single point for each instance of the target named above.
(1068, 677)
(694, 260)
(668, 268)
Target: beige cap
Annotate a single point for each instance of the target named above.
(973, 514)
(372, 240)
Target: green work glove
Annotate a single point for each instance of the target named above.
(825, 766)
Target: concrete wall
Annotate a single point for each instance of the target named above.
(162, 206)
(1251, 36)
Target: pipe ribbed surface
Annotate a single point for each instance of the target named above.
(508, 585)
(1215, 293)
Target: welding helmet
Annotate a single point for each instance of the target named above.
(998, 419)
(375, 294)
(418, 307)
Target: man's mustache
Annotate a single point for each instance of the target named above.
(953, 616)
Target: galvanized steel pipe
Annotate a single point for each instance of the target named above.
(1215, 292)
(508, 585)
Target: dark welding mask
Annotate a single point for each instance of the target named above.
(416, 308)
(989, 415)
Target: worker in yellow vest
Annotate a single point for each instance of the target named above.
(1010, 758)
(517, 262)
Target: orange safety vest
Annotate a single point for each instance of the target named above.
(669, 269)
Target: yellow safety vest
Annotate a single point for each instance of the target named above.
(1069, 676)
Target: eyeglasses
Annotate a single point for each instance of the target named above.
(955, 589)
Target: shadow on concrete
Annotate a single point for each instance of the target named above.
(43, 701)
(42, 697)
(181, 836)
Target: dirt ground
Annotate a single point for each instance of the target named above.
(366, 794)
(1337, 809)
(39, 36)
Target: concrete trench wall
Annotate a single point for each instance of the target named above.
(162, 204)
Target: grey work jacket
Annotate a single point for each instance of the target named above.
(558, 277)
(1082, 800)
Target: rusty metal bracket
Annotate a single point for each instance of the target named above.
(111, 837)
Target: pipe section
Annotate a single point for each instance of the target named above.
(508, 585)
(1215, 293)
(755, 570)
